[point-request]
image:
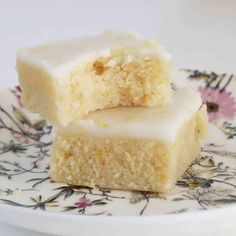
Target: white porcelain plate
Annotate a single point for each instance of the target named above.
(206, 193)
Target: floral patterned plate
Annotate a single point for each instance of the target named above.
(205, 192)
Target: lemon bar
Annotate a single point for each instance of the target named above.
(65, 80)
(145, 149)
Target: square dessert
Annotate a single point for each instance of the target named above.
(66, 80)
(136, 148)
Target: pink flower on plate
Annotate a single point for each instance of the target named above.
(19, 137)
(83, 203)
(220, 104)
(17, 92)
(18, 89)
(23, 138)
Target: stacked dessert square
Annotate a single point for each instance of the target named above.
(117, 123)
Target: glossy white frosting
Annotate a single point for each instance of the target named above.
(153, 123)
(60, 57)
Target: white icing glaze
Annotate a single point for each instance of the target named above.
(60, 57)
(154, 123)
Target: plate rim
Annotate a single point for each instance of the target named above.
(67, 224)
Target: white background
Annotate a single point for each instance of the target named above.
(198, 33)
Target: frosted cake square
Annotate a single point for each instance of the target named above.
(66, 80)
(134, 148)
